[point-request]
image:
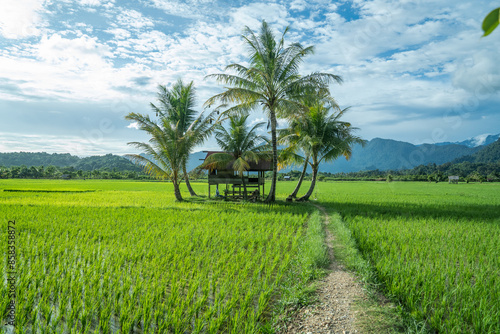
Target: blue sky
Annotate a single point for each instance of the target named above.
(414, 70)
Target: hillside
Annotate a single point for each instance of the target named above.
(487, 154)
(37, 159)
(110, 161)
(387, 154)
(480, 140)
(381, 154)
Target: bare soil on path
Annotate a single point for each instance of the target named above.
(334, 311)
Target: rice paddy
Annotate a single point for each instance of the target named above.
(434, 247)
(122, 261)
(122, 256)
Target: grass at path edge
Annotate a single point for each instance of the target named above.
(377, 314)
(298, 290)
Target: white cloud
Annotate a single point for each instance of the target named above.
(153, 40)
(257, 120)
(119, 33)
(96, 3)
(134, 19)
(252, 15)
(75, 53)
(133, 125)
(188, 8)
(481, 76)
(68, 69)
(403, 62)
(21, 18)
(75, 145)
(298, 5)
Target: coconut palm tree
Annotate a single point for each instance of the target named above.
(289, 156)
(241, 145)
(271, 81)
(291, 137)
(169, 146)
(322, 136)
(177, 105)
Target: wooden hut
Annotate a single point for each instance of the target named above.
(254, 178)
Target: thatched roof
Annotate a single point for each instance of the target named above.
(263, 165)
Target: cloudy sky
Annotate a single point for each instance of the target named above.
(415, 70)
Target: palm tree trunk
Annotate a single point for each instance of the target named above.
(272, 192)
(244, 187)
(294, 194)
(313, 184)
(188, 184)
(177, 190)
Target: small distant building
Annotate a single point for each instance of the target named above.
(287, 178)
(453, 179)
(254, 178)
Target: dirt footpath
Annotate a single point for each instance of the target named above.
(333, 312)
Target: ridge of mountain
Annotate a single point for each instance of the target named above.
(378, 153)
(37, 159)
(480, 140)
(487, 154)
(387, 154)
(382, 154)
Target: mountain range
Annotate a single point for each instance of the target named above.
(378, 153)
(388, 154)
(28, 159)
(481, 140)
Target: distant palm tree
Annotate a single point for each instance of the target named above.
(169, 145)
(177, 105)
(321, 135)
(241, 145)
(271, 81)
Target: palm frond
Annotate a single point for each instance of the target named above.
(149, 166)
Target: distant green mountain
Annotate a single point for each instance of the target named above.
(387, 154)
(37, 159)
(29, 159)
(489, 153)
(381, 154)
(109, 161)
(195, 159)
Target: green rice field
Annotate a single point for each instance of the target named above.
(435, 247)
(124, 257)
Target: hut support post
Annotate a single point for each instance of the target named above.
(263, 183)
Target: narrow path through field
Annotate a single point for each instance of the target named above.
(333, 312)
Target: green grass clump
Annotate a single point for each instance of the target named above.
(307, 267)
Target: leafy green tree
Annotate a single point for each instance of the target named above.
(241, 145)
(50, 171)
(271, 81)
(4, 172)
(493, 176)
(322, 136)
(169, 146)
(476, 176)
(177, 105)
